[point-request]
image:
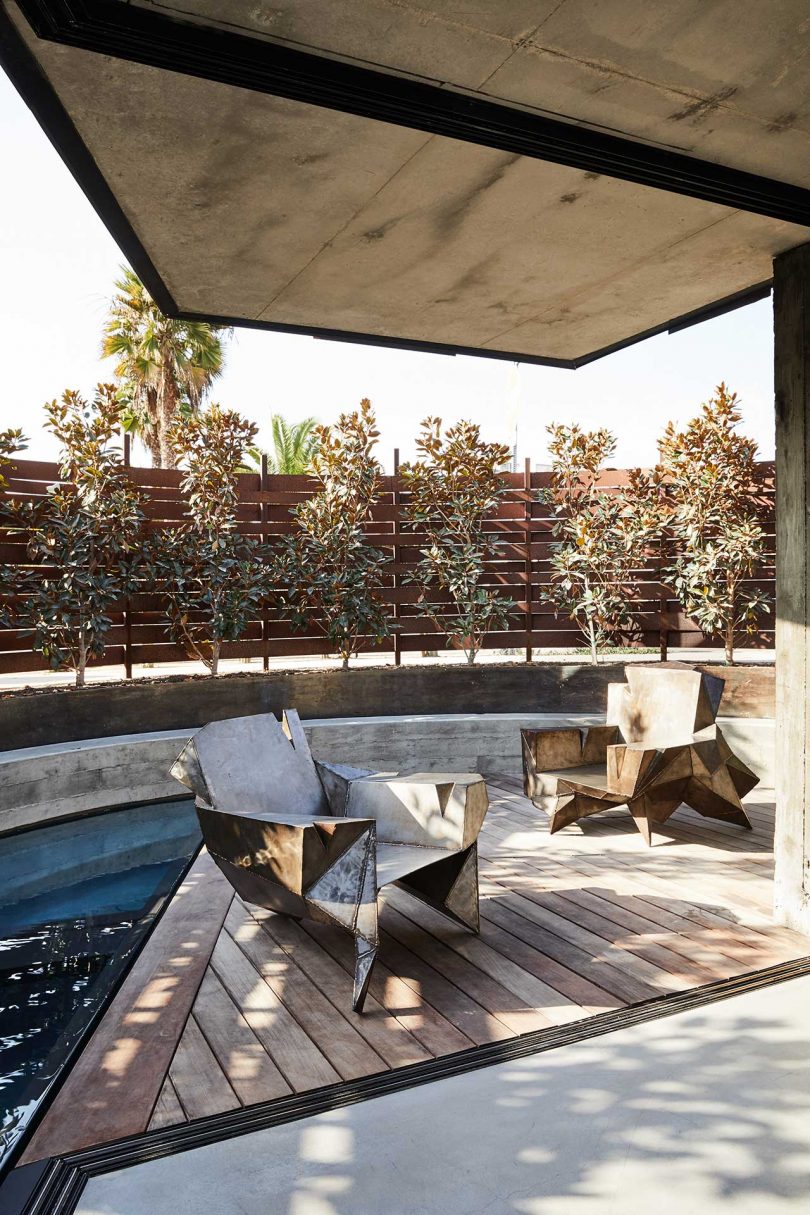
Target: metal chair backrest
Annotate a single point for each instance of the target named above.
(663, 705)
(254, 763)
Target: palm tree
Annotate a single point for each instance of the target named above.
(294, 445)
(164, 366)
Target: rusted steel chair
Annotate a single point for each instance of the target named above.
(318, 840)
(660, 748)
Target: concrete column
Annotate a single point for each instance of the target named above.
(792, 385)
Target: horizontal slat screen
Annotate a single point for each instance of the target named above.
(519, 570)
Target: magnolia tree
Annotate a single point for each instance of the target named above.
(11, 442)
(213, 578)
(601, 535)
(327, 576)
(717, 540)
(453, 488)
(83, 538)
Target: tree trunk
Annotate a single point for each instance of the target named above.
(150, 434)
(168, 399)
(214, 664)
(593, 645)
(471, 656)
(344, 666)
(151, 441)
(730, 645)
(81, 665)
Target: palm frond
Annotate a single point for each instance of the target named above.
(162, 359)
(294, 444)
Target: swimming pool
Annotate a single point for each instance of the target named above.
(77, 899)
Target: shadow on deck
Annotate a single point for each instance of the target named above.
(229, 1006)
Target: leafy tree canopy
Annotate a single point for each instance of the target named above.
(214, 577)
(453, 488)
(294, 445)
(84, 537)
(600, 534)
(717, 539)
(327, 576)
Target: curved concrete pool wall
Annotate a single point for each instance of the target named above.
(38, 784)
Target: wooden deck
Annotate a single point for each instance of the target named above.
(228, 1005)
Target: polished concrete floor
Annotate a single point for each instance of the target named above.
(705, 1112)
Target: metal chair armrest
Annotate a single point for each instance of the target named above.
(427, 809)
(629, 766)
(556, 747)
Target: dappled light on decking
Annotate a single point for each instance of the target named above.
(252, 1006)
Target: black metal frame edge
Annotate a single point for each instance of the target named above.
(38, 94)
(63, 1179)
(376, 339)
(708, 312)
(729, 303)
(750, 295)
(167, 41)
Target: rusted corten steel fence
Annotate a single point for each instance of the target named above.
(520, 571)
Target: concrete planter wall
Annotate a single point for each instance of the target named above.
(101, 710)
(388, 718)
(41, 784)
(108, 746)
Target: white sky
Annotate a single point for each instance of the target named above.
(58, 263)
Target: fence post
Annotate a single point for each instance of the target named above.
(264, 516)
(663, 601)
(397, 580)
(527, 486)
(663, 631)
(127, 460)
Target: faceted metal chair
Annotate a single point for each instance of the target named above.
(319, 840)
(660, 748)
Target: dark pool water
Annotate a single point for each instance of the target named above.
(77, 899)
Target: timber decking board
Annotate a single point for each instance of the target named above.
(296, 1056)
(499, 963)
(117, 1080)
(430, 985)
(651, 889)
(535, 979)
(252, 1073)
(347, 1052)
(200, 1083)
(438, 1035)
(516, 1015)
(623, 837)
(504, 928)
(168, 1110)
(574, 924)
(382, 1031)
(562, 911)
(614, 916)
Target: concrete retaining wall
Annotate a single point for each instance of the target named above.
(31, 719)
(40, 784)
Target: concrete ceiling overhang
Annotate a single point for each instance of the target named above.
(532, 179)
